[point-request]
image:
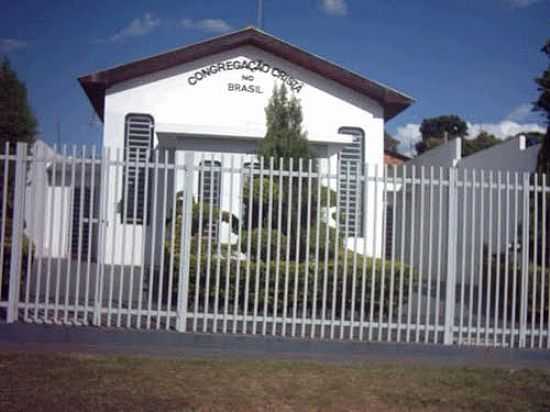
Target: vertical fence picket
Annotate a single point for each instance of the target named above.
(428, 316)
(534, 220)
(280, 182)
(209, 246)
(218, 247)
(336, 243)
(160, 283)
(288, 238)
(357, 231)
(228, 265)
(258, 246)
(506, 264)
(411, 254)
(17, 233)
(524, 262)
(437, 302)
(316, 258)
(50, 238)
(268, 252)
(543, 263)
(463, 255)
(515, 259)
(308, 235)
(420, 255)
(326, 257)
(402, 253)
(392, 268)
(374, 249)
(239, 248)
(114, 242)
(498, 263)
(201, 172)
(91, 221)
(28, 275)
(152, 253)
(5, 186)
(345, 258)
(383, 251)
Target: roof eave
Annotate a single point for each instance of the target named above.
(95, 85)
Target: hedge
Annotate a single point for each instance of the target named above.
(297, 274)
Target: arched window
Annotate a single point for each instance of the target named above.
(138, 141)
(351, 160)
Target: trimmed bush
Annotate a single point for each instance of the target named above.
(498, 266)
(293, 277)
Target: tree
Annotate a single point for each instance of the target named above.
(436, 130)
(284, 137)
(542, 104)
(483, 141)
(17, 124)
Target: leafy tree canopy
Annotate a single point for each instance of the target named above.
(543, 105)
(483, 141)
(17, 122)
(434, 130)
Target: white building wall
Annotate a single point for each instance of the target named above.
(208, 117)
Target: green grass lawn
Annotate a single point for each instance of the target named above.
(56, 382)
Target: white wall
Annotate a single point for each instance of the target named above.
(477, 224)
(207, 117)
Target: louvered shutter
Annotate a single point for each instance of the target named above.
(139, 133)
(350, 190)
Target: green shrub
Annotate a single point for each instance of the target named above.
(297, 276)
(498, 267)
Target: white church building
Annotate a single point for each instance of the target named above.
(209, 99)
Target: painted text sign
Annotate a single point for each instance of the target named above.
(252, 67)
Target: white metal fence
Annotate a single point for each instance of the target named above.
(233, 244)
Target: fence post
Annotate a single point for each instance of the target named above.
(17, 232)
(185, 243)
(524, 261)
(451, 261)
(103, 194)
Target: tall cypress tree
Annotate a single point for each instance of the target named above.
(284, 137)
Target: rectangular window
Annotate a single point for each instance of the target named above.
(139, 133)
(351, 191)
(84, 223)
(209, 193)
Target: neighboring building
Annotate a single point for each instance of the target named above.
(392, 158)
(479, 220)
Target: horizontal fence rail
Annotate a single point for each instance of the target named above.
(221, 243)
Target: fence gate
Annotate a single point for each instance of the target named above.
(325, 249)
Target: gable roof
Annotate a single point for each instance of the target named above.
(96, 84)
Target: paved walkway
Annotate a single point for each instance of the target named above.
(40, 338)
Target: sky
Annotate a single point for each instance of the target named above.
(473, 58)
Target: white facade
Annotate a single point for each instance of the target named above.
(210, 119)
